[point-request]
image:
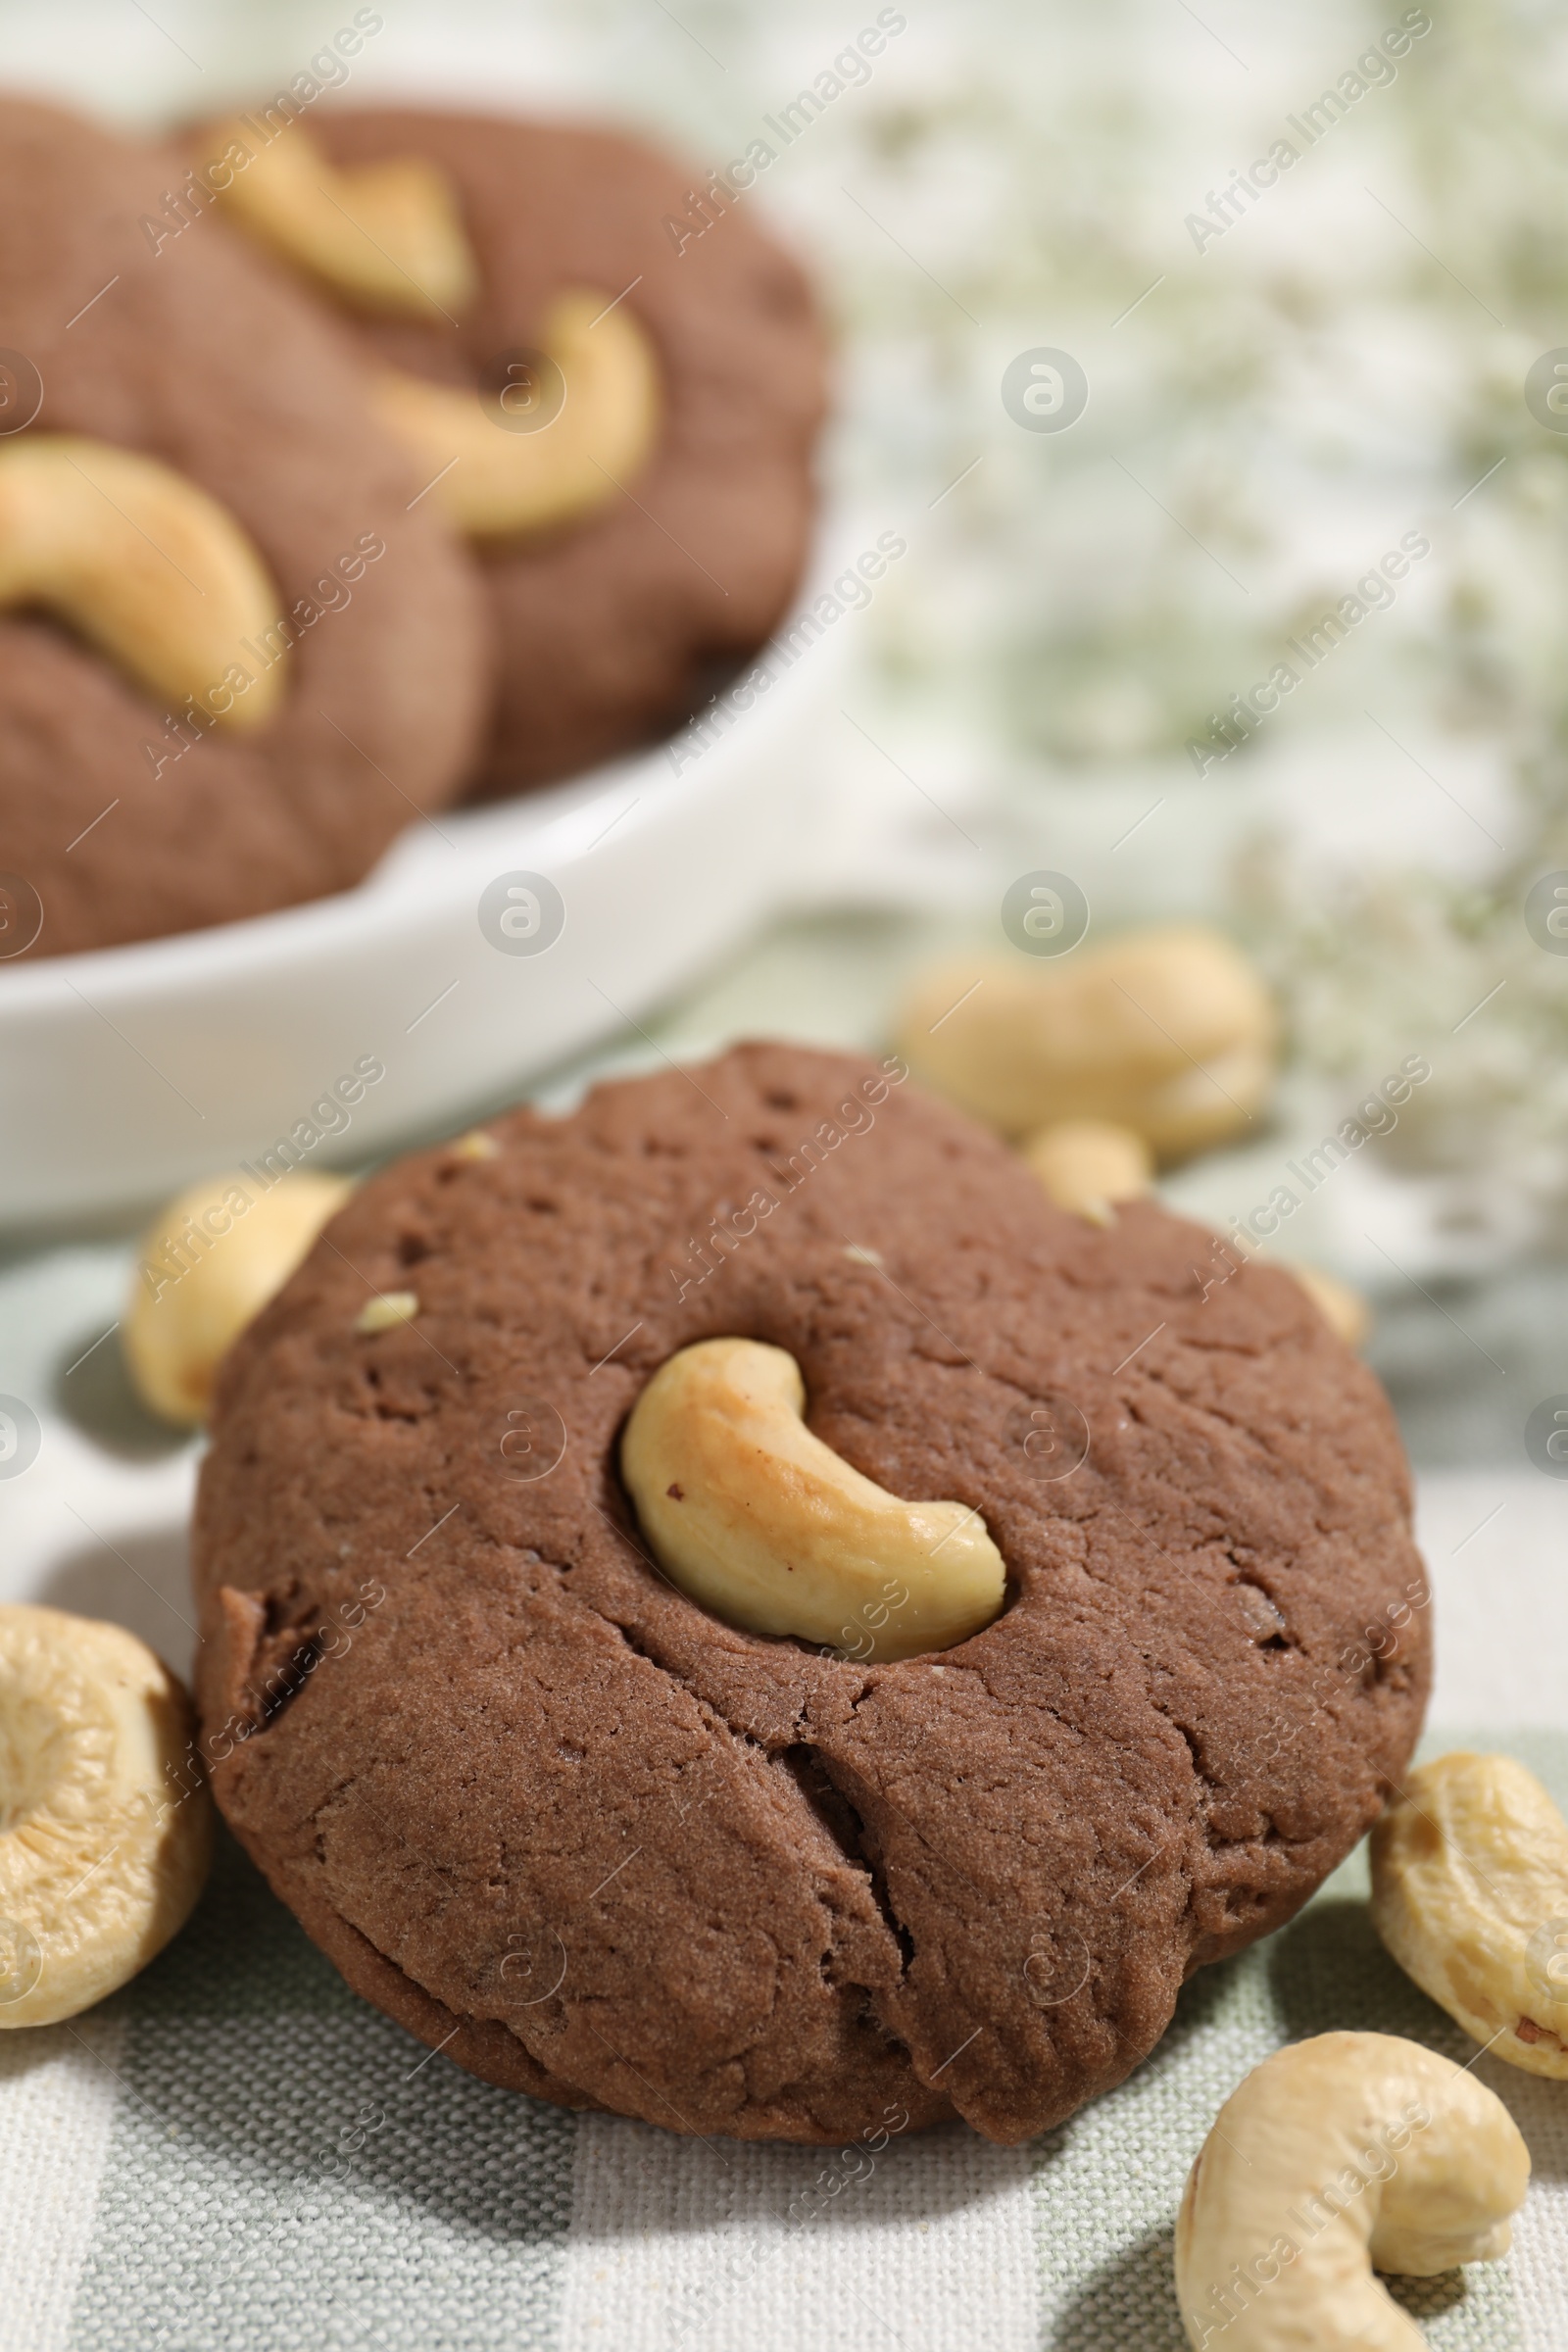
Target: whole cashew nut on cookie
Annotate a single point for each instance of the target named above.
(144, 564)
(496, 484)
(748, 1512)
(386, 238)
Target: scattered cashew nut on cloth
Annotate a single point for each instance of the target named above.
(1169, 1031)
(1470, 1895)
(1337, 2157)
(205, 1268)
(106, 1825)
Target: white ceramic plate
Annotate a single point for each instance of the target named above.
(129, 1072)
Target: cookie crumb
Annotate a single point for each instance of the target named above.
(384, 1312)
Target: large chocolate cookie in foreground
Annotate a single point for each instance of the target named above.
(543, 1809)
(127, 810)
(615, 628)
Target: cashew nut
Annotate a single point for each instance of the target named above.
(1337, 2156)
(1343, 1309)
(1470, 1895)
(477, 1144)
(386, 236)
(206, 1267)
(494, 483)
(144, 564)
(1170, 1032)
(105, 1827)
(1087, 1166)
(387, 1311)
(756, 1518)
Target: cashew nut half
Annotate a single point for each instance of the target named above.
(144, 564)
(105, 1827)
(387, 236)
(494, 484)
(1337, 2156)
(756, 1518)
(206, 1268)
(1470, 1895)
(1170, 1032)
(1088, 1165)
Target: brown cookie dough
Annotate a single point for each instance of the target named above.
(529, 1795)
(127, 819)
(613, 629)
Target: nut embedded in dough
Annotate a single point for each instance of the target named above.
(755, 1517)
(387, 1311)
(496, 484)
(477, 1144)
(143, 564)
(387, 237)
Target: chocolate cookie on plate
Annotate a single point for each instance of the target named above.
(651, 1747)
(612, 382)
(234, 661)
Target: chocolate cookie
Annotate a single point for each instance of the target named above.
(546, 1811)
(615, 626)
(126, 811)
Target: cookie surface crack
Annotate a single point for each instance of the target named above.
(847, 1826)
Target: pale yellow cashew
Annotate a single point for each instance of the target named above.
(756, 1518)
(207, 1266)
(105, 1827)
(1337, 2156)
(1170, 1032)
(387, 236)
(387, 1311)
(1088, 1165)
(1470, 1895)
(494, 484)
(1343, 1309)
(144, 566)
